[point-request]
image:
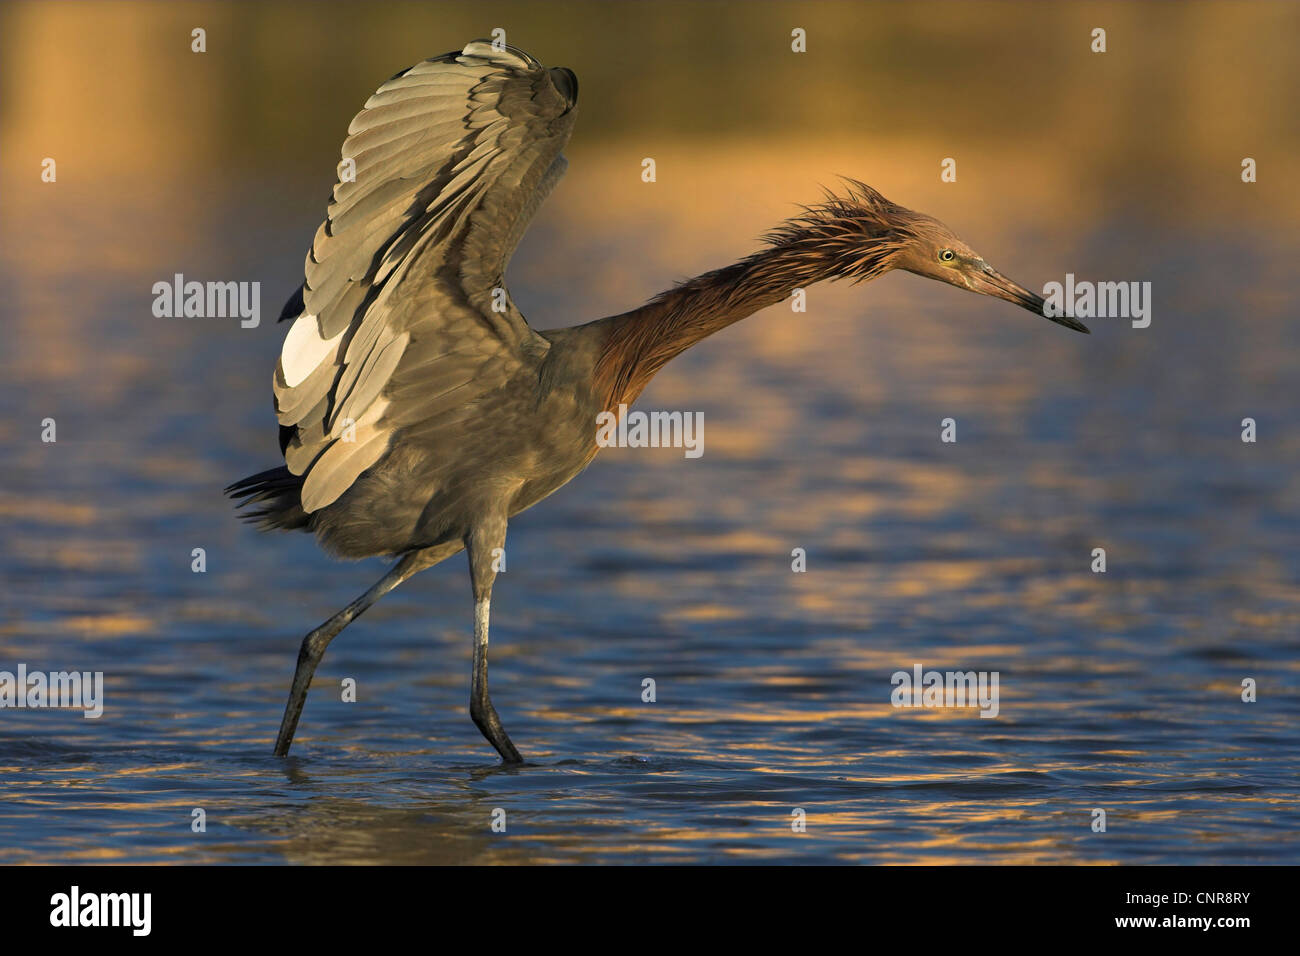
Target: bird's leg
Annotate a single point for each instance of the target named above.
(487, 537)
(314, 644)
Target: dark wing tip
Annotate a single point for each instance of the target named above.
(294, 307)
(566, 82)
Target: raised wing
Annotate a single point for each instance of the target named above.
(404, 316)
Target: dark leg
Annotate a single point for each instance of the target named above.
(489, 535)
(314, 644)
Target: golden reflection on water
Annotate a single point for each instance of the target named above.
(218, 163)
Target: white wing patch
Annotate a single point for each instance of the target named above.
(305, 349)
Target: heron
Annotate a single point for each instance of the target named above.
(418, 409)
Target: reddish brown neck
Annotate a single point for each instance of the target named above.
(642, 341)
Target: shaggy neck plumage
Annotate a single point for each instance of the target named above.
(802, 251)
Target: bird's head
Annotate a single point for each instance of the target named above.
(931, 249)
(865, 235)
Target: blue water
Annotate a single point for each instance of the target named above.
(1119, 691)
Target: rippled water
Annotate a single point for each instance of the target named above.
(1119, 691)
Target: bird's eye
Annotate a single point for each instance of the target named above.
(947, 255)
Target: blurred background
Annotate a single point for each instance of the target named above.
(1120, 691)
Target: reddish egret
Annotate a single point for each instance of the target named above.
(418, 410)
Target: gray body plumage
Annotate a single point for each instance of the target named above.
(530, 437)
(404, 331)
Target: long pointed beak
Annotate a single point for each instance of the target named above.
(991, 282)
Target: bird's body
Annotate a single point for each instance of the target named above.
(419, 411)
(536, 435)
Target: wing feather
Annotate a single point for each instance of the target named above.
(399, 325)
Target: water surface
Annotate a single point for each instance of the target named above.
(1119, 691)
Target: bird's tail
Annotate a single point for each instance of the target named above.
(279, 493)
